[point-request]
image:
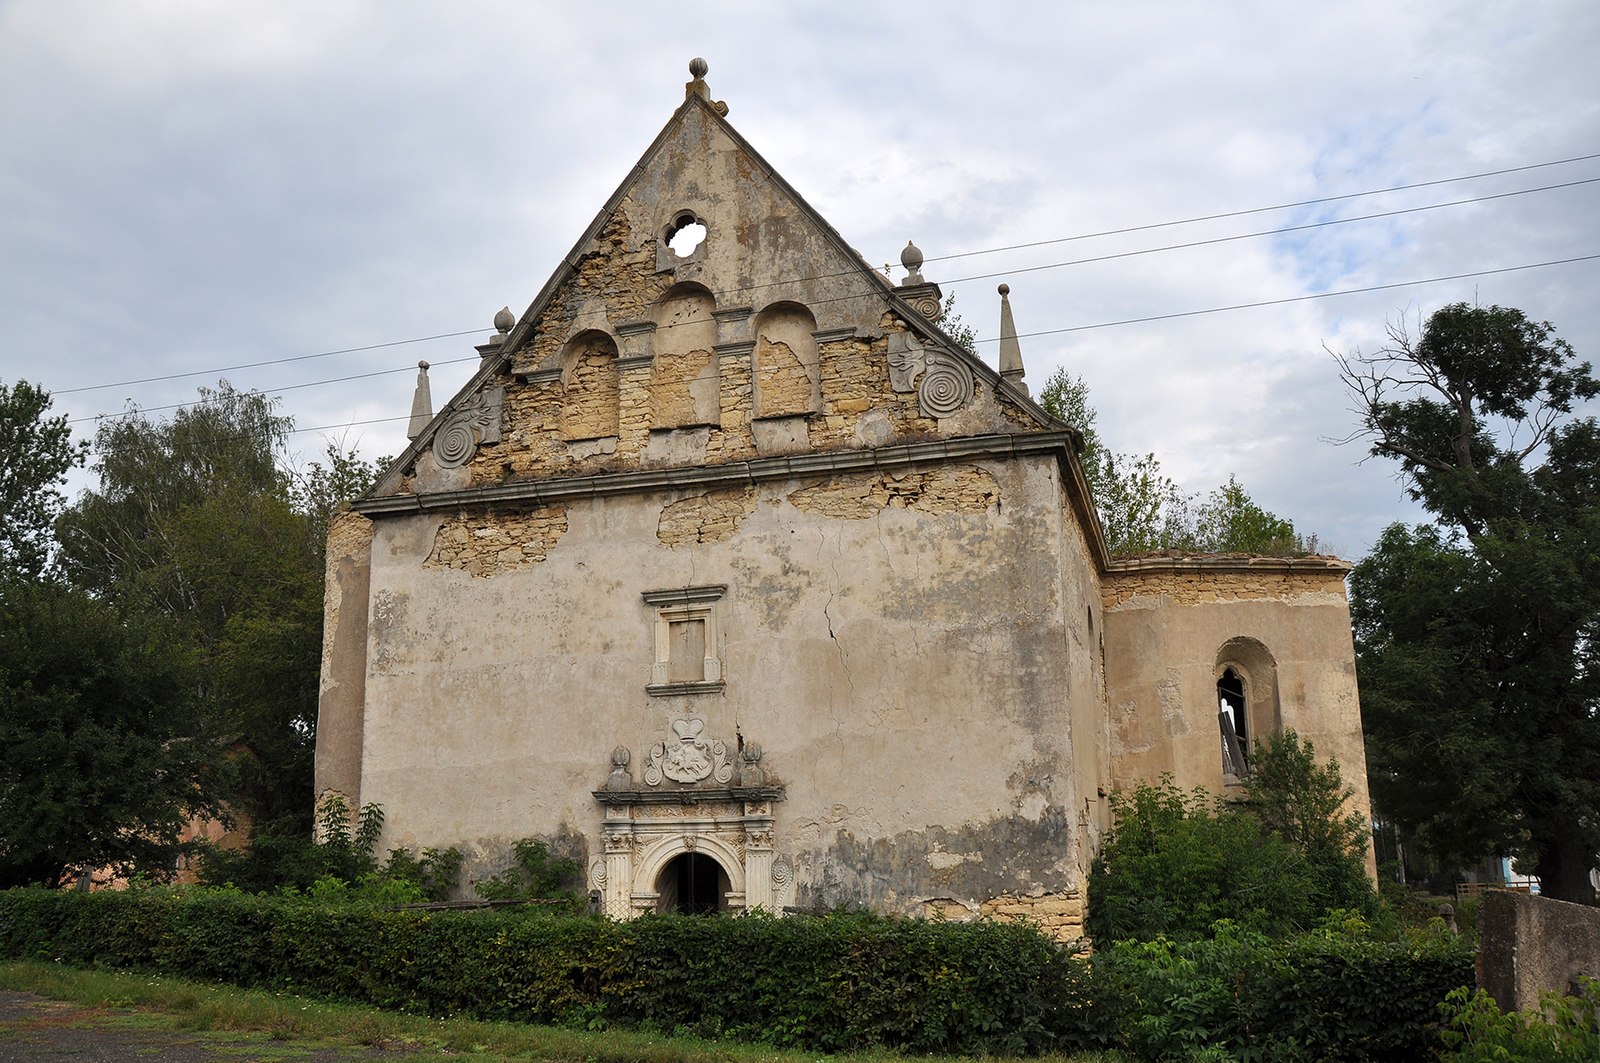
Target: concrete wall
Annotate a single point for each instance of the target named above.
(1532, 945)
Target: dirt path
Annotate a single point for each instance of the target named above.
(33, 1028)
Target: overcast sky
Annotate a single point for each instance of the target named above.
(190, 186)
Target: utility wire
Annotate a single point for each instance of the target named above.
(1021, 335)
(986, 251)
(1264, 210)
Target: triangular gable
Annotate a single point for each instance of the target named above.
(802, 256)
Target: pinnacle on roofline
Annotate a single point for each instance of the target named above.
(1010, 349)
(698, 87)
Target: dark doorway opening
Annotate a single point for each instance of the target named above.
(693, 884)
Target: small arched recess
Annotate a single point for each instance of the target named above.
(684, 383)
(1246, 677)
(788, 379)
(590, 396)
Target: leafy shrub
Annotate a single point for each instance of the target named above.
(829, 983)
(1563, 1029)
(1173, 864)
(1307, 805)
(533, 875)
(338, 867)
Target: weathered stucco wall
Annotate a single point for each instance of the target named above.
(341, 705)
(1173, 623)
(902, 648)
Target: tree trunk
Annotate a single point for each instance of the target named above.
(1563, 871)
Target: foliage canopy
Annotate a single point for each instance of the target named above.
(1477, 633)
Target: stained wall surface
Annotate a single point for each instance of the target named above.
(902, 647)
(729, 552)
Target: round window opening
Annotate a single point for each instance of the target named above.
(685, 234)
(692, 884)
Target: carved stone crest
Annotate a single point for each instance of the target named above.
(687, 757)
(946, 385)
(943, 382)
(476, 421)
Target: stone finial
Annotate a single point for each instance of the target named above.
(620, 778)
(1010, 349)
(504, 321)
(421, 404)
(911, 259)
(697, 70)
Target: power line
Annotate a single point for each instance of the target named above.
(271, 361)
(1072, 328)
(1264, 210)
(986, 251)
(286, 387)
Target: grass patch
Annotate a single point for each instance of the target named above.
(177, 1004)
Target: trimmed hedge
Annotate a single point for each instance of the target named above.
(832, 983)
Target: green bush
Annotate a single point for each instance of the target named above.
(1173, 864)
(1326, 995)
(1563, 1029)
(828, 983)
(831, 983)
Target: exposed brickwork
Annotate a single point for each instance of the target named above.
(948, 489)
(708, 518)
(1199, 586)
(488, 545)
(783, 381)
(589, 408)
(672, 397)
(1059, 915)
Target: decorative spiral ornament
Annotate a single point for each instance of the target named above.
(455, 444)
(946, 386)
(597, 874)
(781, 872)
(928, 307)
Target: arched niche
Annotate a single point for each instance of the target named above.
(1246, 676)
(589, 401)
(786, 367)
(684, 386)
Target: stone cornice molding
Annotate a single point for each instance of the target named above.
(731, 474)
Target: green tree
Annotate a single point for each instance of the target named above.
(198, 520)
(1477, 634)
(105, 756)
(1143, 510)
(1307, 804)
(36, 452)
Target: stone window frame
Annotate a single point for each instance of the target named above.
(1255, 668)
(682, 605)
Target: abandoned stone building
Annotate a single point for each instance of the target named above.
(735, 577)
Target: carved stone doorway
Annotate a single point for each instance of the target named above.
(693, 884)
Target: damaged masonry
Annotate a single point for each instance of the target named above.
(734, 577)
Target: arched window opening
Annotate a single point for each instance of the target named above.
(1233, 718)
(692, 884)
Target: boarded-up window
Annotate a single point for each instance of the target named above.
(687, 652)
(787, 376)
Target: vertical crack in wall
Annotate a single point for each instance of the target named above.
(844, 660)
